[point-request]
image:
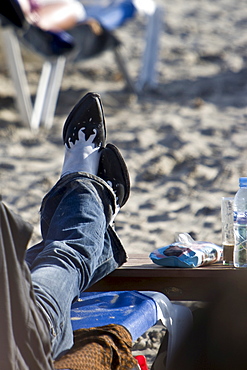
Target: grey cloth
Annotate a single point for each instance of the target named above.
(24, 336)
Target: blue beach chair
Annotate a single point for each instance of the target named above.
(137, 312)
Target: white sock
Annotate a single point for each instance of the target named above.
(82, 156)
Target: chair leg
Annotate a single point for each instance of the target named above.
(53, 91)
(47, 93)
(122, 66)
(148, 73)
(17, 73)
(177, 319)
(48, 89)
(160, 362)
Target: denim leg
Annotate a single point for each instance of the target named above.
(79, 248)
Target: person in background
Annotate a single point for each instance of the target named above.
(62, 15)
(53, 15)
(57, 27)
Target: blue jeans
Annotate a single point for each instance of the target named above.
(79, 247)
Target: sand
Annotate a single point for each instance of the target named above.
(184, 142)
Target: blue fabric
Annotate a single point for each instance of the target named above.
(113, 16)
(78, 249)
(131, 309)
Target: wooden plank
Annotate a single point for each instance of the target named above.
(139, 273)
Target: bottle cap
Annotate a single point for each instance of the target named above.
(243, 182)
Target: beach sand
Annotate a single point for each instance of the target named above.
(184, 142)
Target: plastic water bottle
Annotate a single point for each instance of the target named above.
(240, 224)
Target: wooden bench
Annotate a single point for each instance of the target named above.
(183, 284)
